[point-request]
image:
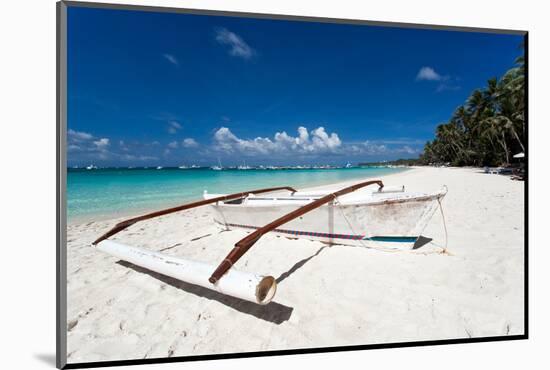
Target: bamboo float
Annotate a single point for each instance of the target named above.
(243, 285)
(247, 286)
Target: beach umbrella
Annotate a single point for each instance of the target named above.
(519, 155)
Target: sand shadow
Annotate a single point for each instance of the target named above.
(297, 266)
(272, 312)
(46, 358)
(421, 241)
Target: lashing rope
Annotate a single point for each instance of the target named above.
(444, 225)
(391, 250)
(363, 244)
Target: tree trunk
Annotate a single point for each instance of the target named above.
(505, 148)
(517, 138)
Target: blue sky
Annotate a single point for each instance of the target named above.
(168, 89)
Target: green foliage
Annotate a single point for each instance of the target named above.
(488, 129)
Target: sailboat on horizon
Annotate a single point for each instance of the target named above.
(244, 166)
(218, 167)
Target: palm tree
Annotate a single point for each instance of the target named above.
(494, 129)
(488, 127)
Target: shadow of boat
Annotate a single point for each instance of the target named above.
(273, 312)
(421, 241)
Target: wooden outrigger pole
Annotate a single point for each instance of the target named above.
(127, 223)
(243, 245)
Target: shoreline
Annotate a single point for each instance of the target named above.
(84, 219)
(361, 295)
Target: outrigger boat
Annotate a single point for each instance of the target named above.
(387, 217)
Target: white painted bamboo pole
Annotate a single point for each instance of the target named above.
(392, 189)
(316, 193)
(243, 285)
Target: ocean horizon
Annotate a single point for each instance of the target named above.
(107, 193)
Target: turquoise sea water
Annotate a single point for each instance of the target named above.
(107, 193)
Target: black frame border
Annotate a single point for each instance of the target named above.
(61, 175)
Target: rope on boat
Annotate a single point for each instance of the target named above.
(363, 244)
(390, 250)
(444, 225)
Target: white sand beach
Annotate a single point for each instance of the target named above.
(326, 296)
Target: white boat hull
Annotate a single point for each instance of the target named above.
(387, 222)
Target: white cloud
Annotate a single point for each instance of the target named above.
(102, 143)
(131, 157)
(173, 127)
(238, 47)
(123, 145)
(77, 140)
(172, 59)
(85, 147)
(447, 86)
(314, 142)
(408, 150)
(428, 74)
(400, 141)
(380, 147)
(189, 143)
(372, 148)
(322, 140)
(78, 135)
(446, 82)
(173, 145)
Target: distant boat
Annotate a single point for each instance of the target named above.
(91, 167)
(159, 167)
(192, 167)
(218, 167)
(322, 167)
(348, 165)
(244, 167)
